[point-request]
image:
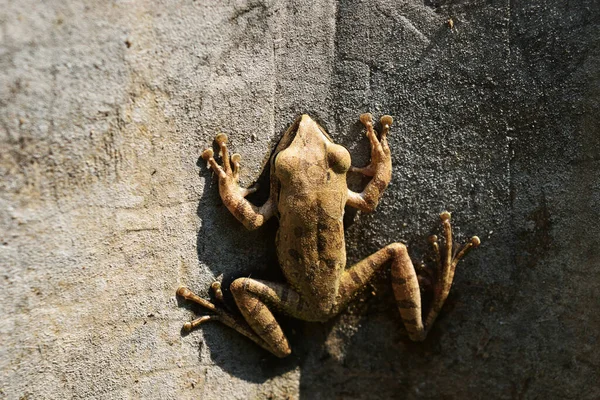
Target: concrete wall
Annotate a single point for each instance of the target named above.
(105, 209)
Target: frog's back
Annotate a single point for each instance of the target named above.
(313, 192)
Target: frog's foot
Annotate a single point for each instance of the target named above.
(217, 313)
(377, 144)
(189, 295)
(446, 262)
(230, 171)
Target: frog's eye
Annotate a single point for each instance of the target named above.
(281, 166)
(338, 158)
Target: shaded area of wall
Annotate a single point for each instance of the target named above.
(106, 209)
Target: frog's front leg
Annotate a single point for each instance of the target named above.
(405, 282)
(380, 167)
(232, 194)
(253, 298)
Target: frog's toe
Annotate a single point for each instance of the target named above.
(217, 292)
(221, 138)
(445, 216)
(189, 326)
(366, 118)
(386, 121)
(183, 292)
(191, 296)
(208, 154)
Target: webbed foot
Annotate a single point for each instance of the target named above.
(446, 262)
(237, 323)
(229, 172)
(219, 313)
(379, 146)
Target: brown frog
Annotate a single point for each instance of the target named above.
(308, 193)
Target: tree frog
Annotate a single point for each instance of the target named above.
(308, 193)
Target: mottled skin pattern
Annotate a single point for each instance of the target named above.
(308, 194)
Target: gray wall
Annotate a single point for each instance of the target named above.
(105, 209)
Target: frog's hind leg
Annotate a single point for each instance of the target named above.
(406, 288)
(405, 282)
(252, 297)
(218, 315)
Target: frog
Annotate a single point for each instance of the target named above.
(309, 194)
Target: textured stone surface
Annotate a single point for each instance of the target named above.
(105, 209)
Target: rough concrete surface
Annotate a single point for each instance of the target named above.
(105, 107)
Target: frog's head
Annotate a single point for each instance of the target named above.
(306, 130)
(307, 155)
(310, 131)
